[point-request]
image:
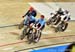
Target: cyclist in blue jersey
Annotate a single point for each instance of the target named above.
(41, 23)
(31, 11)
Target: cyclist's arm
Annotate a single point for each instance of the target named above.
(26, 13)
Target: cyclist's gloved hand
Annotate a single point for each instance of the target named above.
(22, 16)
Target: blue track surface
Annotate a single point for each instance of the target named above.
(52, 49)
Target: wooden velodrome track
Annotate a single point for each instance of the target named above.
(11, 12)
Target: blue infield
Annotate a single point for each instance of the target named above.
(52, 49)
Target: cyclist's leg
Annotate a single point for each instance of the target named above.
(25, 22)
(42, 27)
